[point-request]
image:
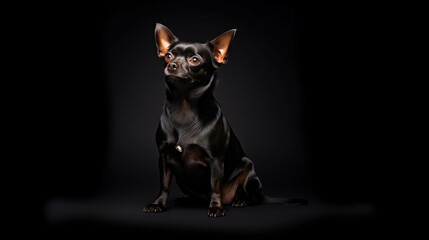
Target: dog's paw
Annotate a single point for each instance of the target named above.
(216, 212)
(239, 203)
(153, 208)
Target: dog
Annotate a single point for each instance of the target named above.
(195, 142)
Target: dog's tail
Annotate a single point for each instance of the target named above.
(279, 200)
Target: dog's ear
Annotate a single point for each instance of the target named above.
(163, 39)
(221, 45)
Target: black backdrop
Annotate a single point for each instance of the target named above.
(296, 91)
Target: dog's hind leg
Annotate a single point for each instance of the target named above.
(249, 189)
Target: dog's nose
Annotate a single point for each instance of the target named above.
(172, 66)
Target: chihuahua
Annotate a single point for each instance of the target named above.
(195, 142)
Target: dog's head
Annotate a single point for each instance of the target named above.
(191, 64)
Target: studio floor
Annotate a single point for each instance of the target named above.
(120, 213)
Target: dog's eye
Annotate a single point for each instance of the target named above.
(168, 57)
(194, 61)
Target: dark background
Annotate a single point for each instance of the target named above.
(297, 91)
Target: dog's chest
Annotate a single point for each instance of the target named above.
(183, 127)
(182, 117)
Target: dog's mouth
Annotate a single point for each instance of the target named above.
(178, 80)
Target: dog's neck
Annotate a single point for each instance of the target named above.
(188, 99)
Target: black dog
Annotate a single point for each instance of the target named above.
(195, 141)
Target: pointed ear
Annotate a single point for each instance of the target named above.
(221, 46)
(163, 39)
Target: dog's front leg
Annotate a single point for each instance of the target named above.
(216, 176)
(165, 174)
